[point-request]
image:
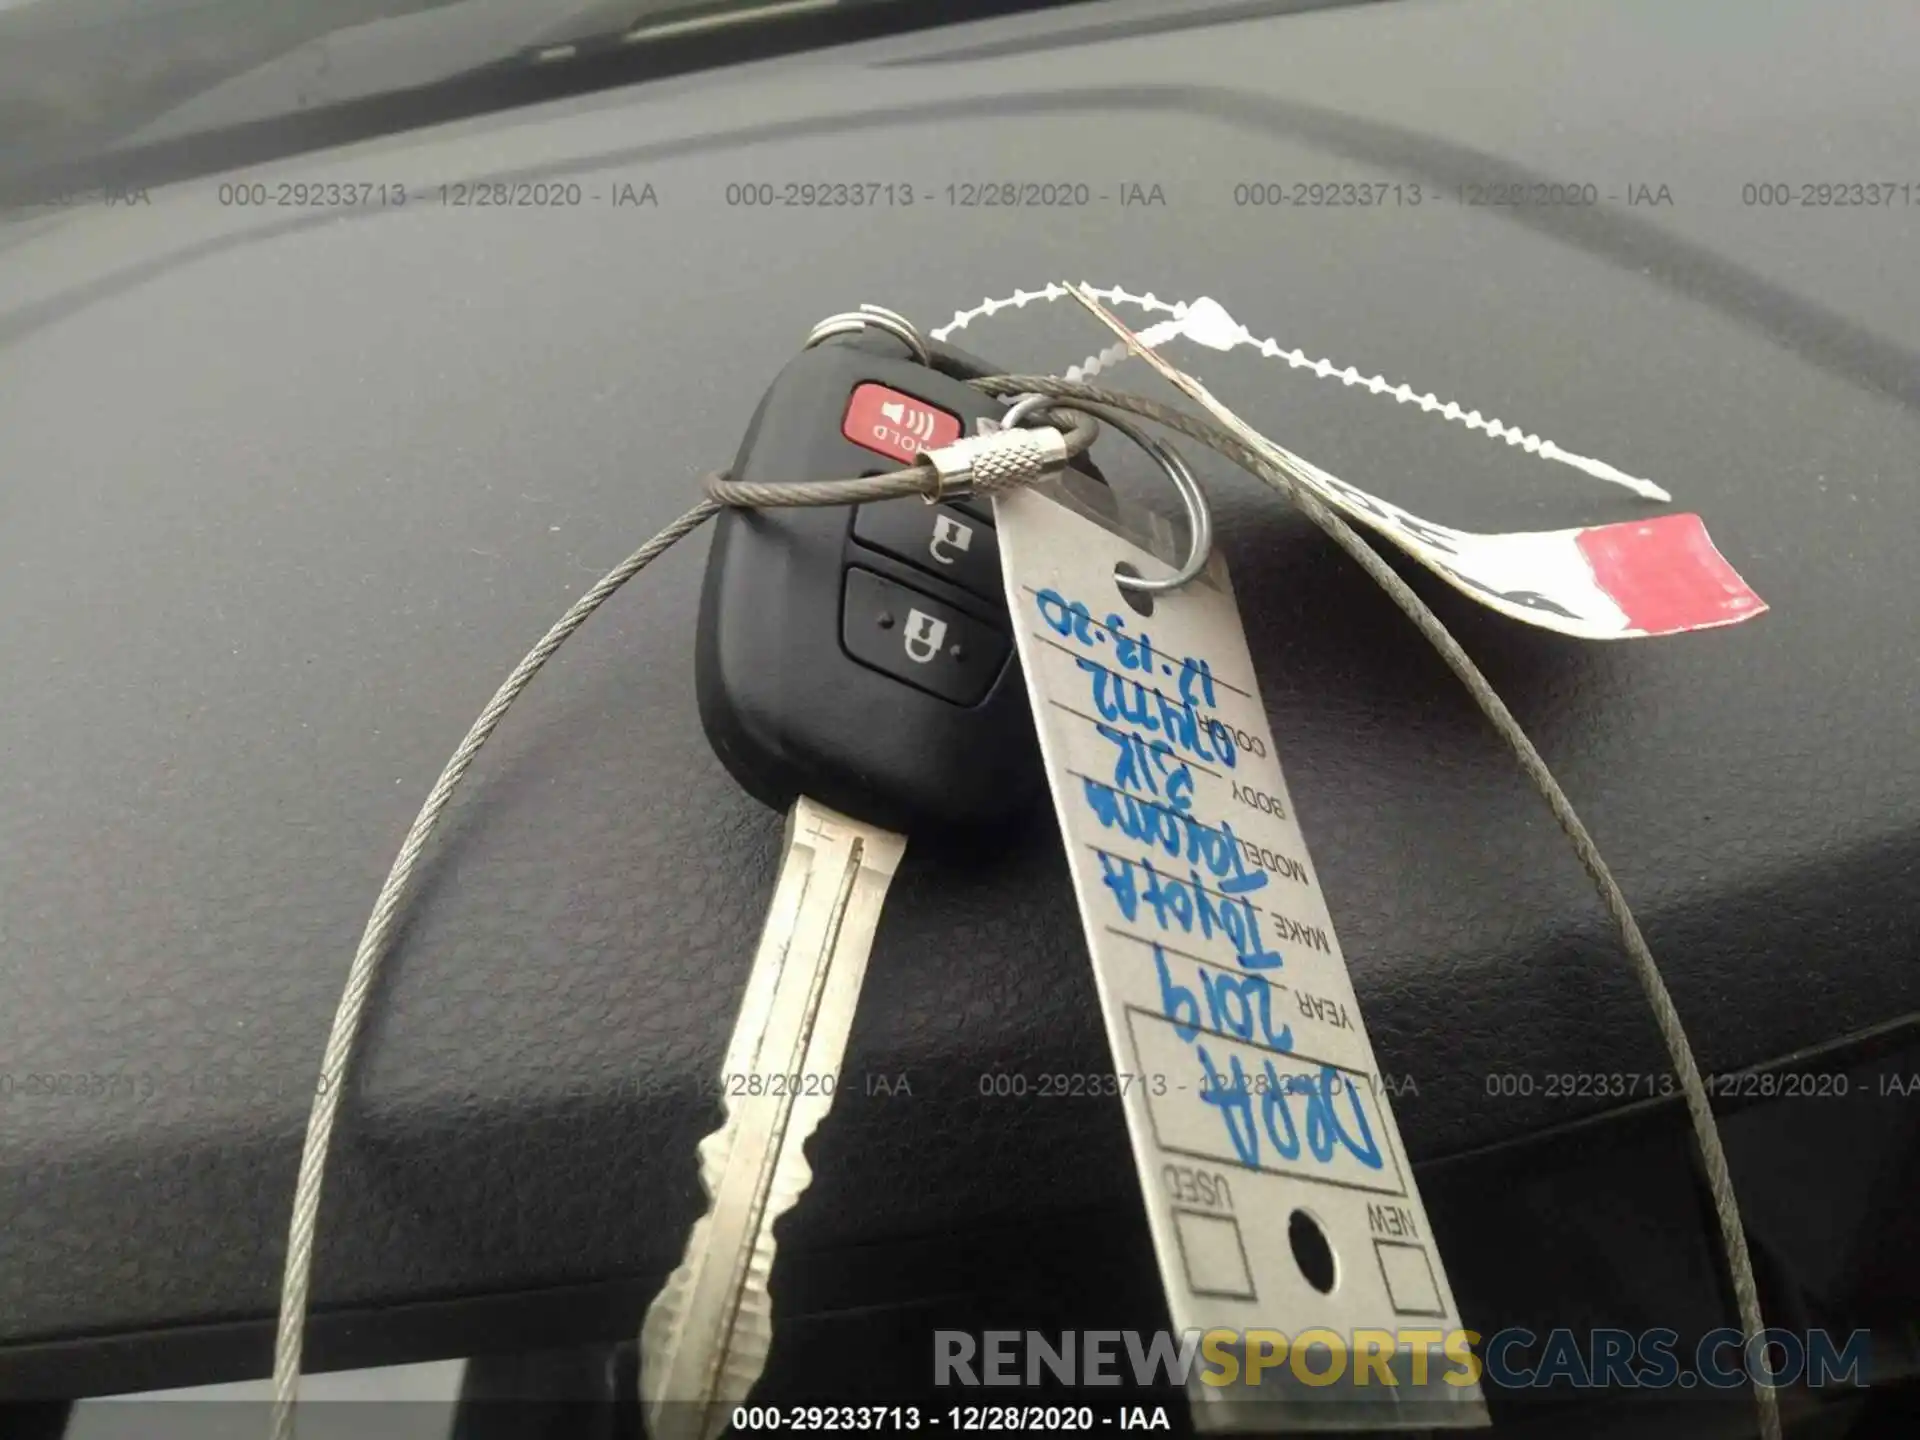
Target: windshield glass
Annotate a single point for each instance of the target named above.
(83, 78)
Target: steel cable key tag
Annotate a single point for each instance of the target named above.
(1284, 1214)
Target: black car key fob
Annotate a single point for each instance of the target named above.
(862, 655)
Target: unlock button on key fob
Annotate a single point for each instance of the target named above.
(939, 539)
(930, 645)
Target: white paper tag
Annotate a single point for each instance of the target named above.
(1285, 1218)
(1630, 580)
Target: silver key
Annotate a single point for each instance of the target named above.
(706, 1336)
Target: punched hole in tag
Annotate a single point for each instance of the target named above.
(1139, 601)
(1311, 1251)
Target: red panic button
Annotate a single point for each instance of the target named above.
(896, 425)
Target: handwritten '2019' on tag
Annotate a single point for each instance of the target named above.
(1285, 1219)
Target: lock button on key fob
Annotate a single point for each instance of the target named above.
(912, 637)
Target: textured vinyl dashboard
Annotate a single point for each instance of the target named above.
(286, 492)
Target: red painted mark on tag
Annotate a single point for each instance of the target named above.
(895, 424)
(1666, 575)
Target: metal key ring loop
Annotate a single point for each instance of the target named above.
(1199, 513)
(849, 322)
(1022, 407)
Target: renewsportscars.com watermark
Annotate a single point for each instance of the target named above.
(1370, 1360)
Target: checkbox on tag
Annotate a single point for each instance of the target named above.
(1409, 1276)
(1216, 1260)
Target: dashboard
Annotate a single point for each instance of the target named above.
(301, 456)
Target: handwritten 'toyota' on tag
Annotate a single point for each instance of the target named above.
(1289, 1232)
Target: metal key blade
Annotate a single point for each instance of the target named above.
(706, 1336)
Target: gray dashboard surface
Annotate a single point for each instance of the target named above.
(285, 495)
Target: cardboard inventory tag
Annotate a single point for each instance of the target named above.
(1289, 1232)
